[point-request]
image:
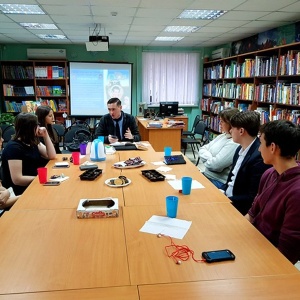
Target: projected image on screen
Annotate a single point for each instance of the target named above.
(93, 84)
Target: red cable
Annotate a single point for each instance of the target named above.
(179, 253)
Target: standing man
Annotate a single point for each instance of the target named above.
(248, 166)
(117, 125)
(276, 208)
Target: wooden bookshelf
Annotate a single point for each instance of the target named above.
(28, 84)
(267, 81)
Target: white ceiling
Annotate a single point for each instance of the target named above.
(139, 22)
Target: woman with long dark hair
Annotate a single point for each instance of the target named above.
(24, 153)
(46, 119)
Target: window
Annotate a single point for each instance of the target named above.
(171, 77)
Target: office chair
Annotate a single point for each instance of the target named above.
(7, 134)
(190, 133)
(200, 129)
(60, 130)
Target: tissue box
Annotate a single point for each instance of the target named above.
(97, 208)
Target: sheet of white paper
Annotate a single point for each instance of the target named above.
(118, 144)
(177, 185)
(163, 169)
(172, 227)
(170, 177)
(158, 163)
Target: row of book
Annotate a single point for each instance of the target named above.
(215, 107)
(50, 90)
(289, 63)
(271, 114)
(28, 72)
(230, 90)
(49, 72)
(214, 72)
(282, 92)
(260, 66)
(17, 91)
(12, 90)
(17, 72)
(266, 66)
(59, 105)
(288, 93)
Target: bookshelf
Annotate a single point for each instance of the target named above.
(28, 84)
(266, 80)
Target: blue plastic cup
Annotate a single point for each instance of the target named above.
(186, 185)
(171, 206)
(168, 151)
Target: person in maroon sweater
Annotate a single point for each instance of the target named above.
(276, 208)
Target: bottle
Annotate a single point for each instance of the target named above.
(97, 152)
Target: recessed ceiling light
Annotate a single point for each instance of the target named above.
(203, 14)
(21, 9)
(38, 26)
(181, 28)
(169, 38)
(52, 36)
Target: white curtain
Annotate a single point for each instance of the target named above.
(171, 77)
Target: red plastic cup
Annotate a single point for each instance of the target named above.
(42, 173)
(76, 158)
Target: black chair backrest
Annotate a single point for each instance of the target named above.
(200, 128)
(196, 121)
(7, 134)
(60, 129)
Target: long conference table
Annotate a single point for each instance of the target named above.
(47, 253)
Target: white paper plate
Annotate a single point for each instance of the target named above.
(107, 182)
(122, 165)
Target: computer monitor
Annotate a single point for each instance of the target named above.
(167, 109)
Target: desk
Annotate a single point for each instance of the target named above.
(267, 288)
(48, 253)
(214, 226)
(160, 137)
(47, 250)
(145, 192)
(109, 293)
(69, 192)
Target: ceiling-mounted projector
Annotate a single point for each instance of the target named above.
(97, 43)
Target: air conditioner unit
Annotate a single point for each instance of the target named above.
(220, 53)
(46, 54)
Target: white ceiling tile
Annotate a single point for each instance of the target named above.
(264, 5)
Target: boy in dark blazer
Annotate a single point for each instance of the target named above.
(248, 166)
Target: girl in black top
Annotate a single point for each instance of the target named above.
(46, 119)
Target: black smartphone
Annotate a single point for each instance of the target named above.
(114, 137)
(218, 255)
(52, 183)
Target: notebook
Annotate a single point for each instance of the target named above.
(125, 146)
(174, 160)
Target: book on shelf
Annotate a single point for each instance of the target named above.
(264, 114)
(13, 106)
(17, 72)
(62, 105)
(12, 90)
(29, 106)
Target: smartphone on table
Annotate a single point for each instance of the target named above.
(218, 255)
(52, 183)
